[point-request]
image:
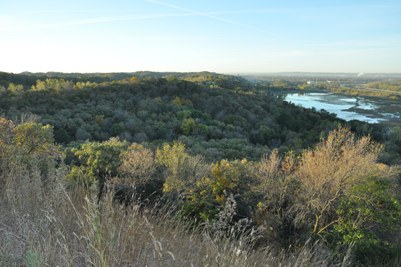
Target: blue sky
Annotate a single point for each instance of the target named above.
(228, 36)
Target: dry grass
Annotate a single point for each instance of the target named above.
(82, 232)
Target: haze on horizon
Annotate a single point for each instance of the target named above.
(222, 36)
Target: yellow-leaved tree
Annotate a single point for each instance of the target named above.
(319, 192)
(327, 172)
(181, 169)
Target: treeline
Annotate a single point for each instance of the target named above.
(382, 88)
(392, 85)
(335, 193)
(27, 79)
(367, 91)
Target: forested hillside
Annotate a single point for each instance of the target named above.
(215, 115)
(174, 169)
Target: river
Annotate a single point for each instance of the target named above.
(345, 107)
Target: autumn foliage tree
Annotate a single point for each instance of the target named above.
(322, 195)
(138, 174)
(181, 170)
(328, 172)
(138, 165)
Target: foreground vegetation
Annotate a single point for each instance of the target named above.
(194, 169)
(105, 208)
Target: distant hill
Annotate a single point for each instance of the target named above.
(207, 78)
(322, 75)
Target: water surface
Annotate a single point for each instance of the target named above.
(345, 107)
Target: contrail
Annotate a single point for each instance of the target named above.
(122, 18)
(94, 20)
(207, 15)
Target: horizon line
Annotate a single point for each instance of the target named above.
(200, 71)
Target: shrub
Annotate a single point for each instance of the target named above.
(181, 170)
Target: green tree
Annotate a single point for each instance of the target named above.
(100, 160)
(82, 134)
(369, 220)
(188, 125)
(30, 163)
(33, 137)
(210, 194)
(117, 129)
(396, 135)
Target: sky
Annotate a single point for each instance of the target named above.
(226, 36)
